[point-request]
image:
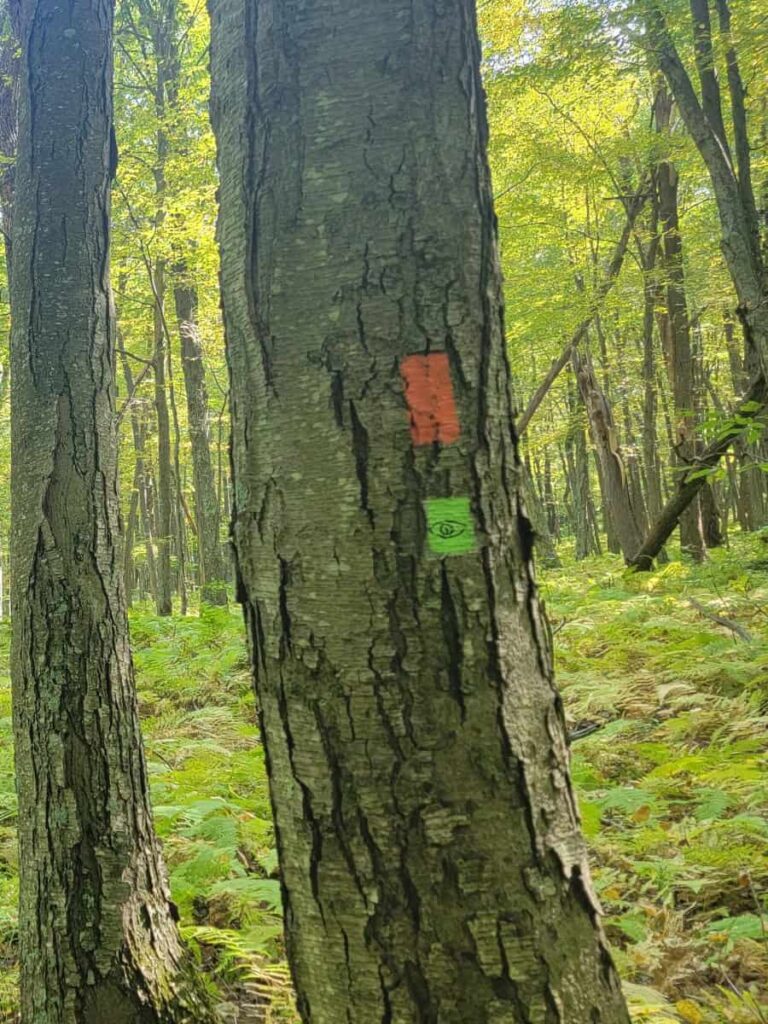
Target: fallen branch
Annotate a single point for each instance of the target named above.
(721, 620)
(694, 478)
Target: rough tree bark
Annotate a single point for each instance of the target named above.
(213, 575)
(98, 941)
(430, 850)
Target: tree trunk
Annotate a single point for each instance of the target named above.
(137, 430)
(97, 937)
(740, 239)
(129, 575)
(550, 504)
(534, 507)
(430, 851)
(614, 479)
(164, 505)
(577, 459)
(179, 523)
(213, 589)
(634, 475)
(9, 102)
(651, 290)
(678, 332)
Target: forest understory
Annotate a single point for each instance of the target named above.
(668, 713)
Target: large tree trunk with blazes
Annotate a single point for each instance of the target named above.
(429, 843)
(213, 588)
(98, 940)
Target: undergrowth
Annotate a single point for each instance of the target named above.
(672, 783)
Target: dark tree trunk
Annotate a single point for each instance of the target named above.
(733, 192)
(430, 852)
(97, 937)
(678, 333)
(577, 460)
(212, 571)
(651, 295)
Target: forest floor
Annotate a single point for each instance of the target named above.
(672, 785)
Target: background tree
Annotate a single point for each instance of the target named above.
(98, 938)
(167, 266)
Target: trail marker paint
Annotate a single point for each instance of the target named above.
(429, 394)
(450, 526)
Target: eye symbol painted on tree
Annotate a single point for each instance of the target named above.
(450, 526)
(447, 529)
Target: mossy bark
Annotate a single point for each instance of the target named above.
(431, 859)
(98, 939)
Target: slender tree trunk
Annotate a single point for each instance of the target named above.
(632, 462)
(577, 459)
(678, 332)
(164, 507)
(430, 852)
(733, 194)
(212, 571)
(550, 503)
(534, 507)
(137, 429)
(129, 576)
(9, 102)
(615, 482)
(98, 941)
(651, 290)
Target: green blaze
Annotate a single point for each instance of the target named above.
(450, 526)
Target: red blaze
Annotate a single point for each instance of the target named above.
(429, 393)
